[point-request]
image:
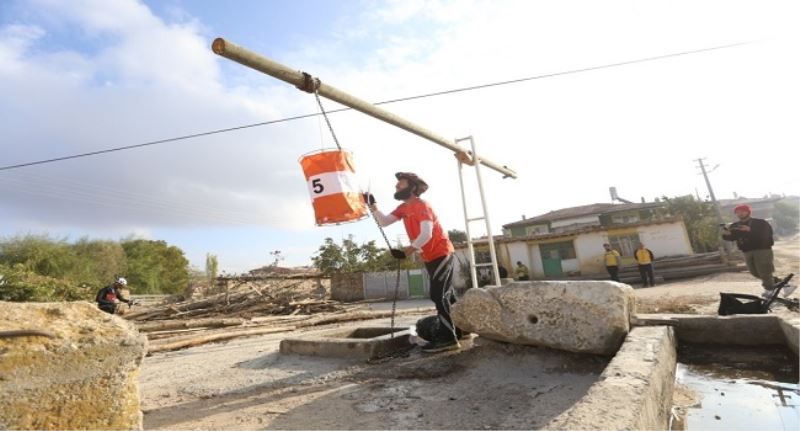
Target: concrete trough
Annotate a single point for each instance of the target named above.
(366, 343)
(635, 390)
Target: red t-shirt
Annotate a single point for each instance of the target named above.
(413, 213)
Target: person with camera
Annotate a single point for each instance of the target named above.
(753, 236)
(109, 297)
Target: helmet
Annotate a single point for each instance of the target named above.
(413, 180)
(121, 281)
(743, 207)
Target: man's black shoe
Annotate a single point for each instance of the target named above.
(441, 346)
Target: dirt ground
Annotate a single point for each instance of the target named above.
(248, 384)
(700, 295)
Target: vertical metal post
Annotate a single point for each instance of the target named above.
(472, 269)
(485, 217)
(492, 252)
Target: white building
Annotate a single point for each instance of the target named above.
(569, 242)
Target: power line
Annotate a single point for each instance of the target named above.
(402, 99)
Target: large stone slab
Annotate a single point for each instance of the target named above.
(84, 375)
(578, 316)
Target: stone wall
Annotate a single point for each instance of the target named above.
(68, 366)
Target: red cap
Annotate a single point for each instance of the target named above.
(743, 207)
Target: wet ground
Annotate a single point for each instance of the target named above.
(735, 388)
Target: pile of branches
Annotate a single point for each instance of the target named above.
(244, 300)
(242, 311)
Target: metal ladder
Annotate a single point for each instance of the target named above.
(485, 217)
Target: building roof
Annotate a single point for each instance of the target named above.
(571, 233)
(582, 211)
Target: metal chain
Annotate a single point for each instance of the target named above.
(394, 299)
(397, 278)
(374, 216)
(325, 114)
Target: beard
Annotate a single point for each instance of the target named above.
(404, 194)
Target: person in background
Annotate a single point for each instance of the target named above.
(522, 272)
(613, 261)
(109, 297)
(644, 257)
(753, 236)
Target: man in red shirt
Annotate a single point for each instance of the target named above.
(429, 239)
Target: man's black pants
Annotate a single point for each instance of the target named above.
(613, 271)
(440, 273)
(646, 272)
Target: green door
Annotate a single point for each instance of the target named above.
(416, 285)
(551, 261)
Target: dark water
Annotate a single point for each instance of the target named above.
(738, 388)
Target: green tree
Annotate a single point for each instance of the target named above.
(456, 235)
(155, 267)
(351, 257)
(786, 217)
(17, 283)
(700, 219)
(98, 262)
(39, 254)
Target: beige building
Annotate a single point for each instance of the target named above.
(569, 242)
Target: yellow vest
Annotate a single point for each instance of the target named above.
(612, 258)
(643, 256)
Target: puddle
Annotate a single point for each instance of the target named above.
(735, 388)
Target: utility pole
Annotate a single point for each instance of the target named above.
(702, 166)
(700, 162)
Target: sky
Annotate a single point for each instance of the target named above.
(86, 75)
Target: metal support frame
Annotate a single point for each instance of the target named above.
(473, 266)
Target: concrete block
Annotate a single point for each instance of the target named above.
(364, 343)
(739, 330)
(577, 316)
(635, 390)
(791, 330)
(83, 377)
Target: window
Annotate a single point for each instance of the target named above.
(536, 230)
(483, 256)
(624, 219)
(624, 244)
(559, 250)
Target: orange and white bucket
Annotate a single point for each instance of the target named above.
(333, 187)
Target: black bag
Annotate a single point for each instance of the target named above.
(737, 303)
(431, 329)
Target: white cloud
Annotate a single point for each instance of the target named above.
(149, 80)
(636, 127)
